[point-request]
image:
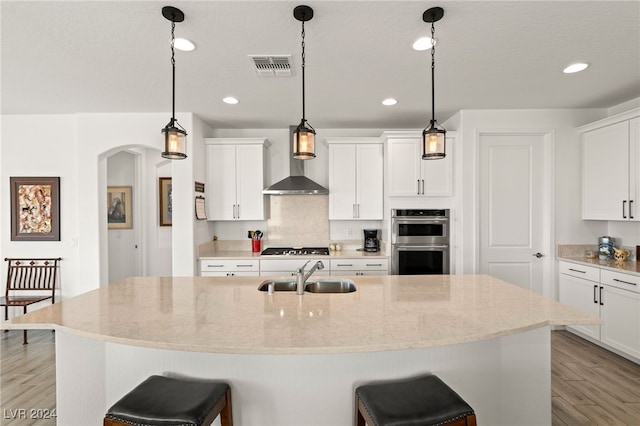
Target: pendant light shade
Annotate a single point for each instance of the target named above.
(304, 142)
(175, 136)
(433, 136)
(304, 136)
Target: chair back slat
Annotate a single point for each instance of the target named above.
(31, 274)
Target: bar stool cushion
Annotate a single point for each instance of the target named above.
(161, 400)
(421, 401)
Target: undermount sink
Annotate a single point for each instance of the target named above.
(282, 284)
(330, 285)
(320, 285)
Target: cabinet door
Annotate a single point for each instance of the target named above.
(634, 170)
(404, 167)
(620, 312)
(370, 182)
(342, 181)
(250, 182)
(605, 172)
(221, 182)
(583, 295)
(437, 175)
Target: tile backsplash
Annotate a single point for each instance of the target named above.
(299, 220)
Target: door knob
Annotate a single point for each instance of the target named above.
(538, 255)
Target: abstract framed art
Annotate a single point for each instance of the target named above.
(35, 208)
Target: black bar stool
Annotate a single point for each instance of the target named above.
(420, 401)
(163, 400)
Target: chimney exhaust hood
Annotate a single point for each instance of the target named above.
(296, 183)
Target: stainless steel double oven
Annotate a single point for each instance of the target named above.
(419, 241)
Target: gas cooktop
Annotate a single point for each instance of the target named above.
(296, 251)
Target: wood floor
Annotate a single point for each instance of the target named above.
(27, 378)
(590, 386)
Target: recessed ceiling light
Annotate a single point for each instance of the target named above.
(184, 44)
(577, 67)
(389, 102)
(423, 43)
(230, 100)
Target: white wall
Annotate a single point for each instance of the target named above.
(569, 226)
(43, 145)
(76, 148)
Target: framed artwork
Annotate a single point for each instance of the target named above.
(35, 208)
(165, 202)
(119, 207)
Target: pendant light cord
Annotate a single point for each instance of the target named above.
(173, 66)
(433, 66)
(303, 64)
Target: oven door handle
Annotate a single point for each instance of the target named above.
(405, 220)
(422, 247)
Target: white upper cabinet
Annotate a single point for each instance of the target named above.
(235, 178)
(408, 174)
(611, 169)
(355, 179)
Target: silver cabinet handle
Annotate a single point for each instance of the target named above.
(234, 211)
(345, 264)
(244, 266)
(576, 270)
(624, 204)
(357, 211)
(418, 186)
(354, 211)
(238, 210)
(215, 266)
(422, 186)
(374, 264)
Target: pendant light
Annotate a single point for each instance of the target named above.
(433, 136)
(175, 136)
(304, 136)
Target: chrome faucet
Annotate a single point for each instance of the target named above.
(301, 277)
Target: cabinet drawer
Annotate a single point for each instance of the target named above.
(580, 271)
(212, 265)
(290, 265)
(620, 280)
(359, 264)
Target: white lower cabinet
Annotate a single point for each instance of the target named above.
(288, 267)
(620, 311)
(359, 266)
(229, 267)
(613, 296)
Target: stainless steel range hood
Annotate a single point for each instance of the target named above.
(297, 183)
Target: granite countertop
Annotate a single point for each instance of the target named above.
(210, 252)
(627, 266)
(229, 315)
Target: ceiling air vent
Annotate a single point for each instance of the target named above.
(271, 65)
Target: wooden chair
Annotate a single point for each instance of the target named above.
(29, 281)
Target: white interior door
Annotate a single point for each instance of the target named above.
(511, 209)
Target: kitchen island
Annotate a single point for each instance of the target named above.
(295, 360)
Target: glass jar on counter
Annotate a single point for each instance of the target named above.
(605, 247)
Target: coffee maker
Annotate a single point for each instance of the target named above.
(371, 242)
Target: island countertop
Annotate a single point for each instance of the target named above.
(229, 315)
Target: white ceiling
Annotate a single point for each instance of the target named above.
(97, 56)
